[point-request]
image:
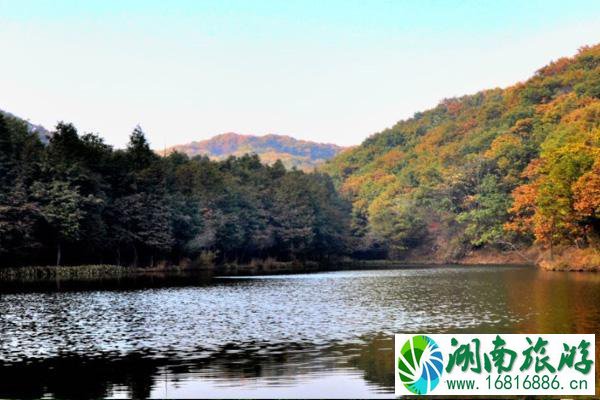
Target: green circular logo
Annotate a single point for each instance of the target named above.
(420, 364)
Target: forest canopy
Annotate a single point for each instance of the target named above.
(77, 200)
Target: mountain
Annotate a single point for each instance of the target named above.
(497, 170)
(292, 152)
(39, 130)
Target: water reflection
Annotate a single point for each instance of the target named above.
(253, 369)
(320, 335)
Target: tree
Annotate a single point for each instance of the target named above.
(80, 197)
(6, 154)
(60, 207)
(398, 224)
(293, 216)
(458, 163)
(18, 218)
(587, 191)
(485, 213)
(142, 221)
(138, 150)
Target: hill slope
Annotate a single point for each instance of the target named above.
(42, 132)
(499, 169)
(292, 152)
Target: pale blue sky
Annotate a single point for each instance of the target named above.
(332, 71)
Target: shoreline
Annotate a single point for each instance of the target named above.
(571, 259)
(108, 271)
(109, 276)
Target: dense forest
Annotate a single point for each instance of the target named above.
(501, 169)
(76, 200)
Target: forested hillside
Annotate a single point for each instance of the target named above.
(78, 201)
(292, 152)
(39, 130)
(502, 169)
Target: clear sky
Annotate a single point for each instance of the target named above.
(327, 70)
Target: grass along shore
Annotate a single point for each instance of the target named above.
(77, 272)
(105, 272)
(567, 260)
(571, 259)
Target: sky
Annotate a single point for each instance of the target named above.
(331, 71)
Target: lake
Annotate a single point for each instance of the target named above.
(320, 335)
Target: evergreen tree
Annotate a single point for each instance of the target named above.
(83, 202)
(60, 206)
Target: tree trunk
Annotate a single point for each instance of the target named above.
(552, 241)
(135, 256)
(118, 256)
(58, 254)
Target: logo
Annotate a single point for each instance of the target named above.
(495, 364)
(420, 364)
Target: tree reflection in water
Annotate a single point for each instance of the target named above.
(138, 374)
(305, 326)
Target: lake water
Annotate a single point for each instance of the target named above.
(310, 335)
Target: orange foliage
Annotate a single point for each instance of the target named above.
(382, 178)
(462, 158)
(453, 106)
(390, 159)
(532, 169)
(468, 125)
(353, 184)
(433, 139)
(555, 67)
(523, 127)
(562, 106)
(523, 209)
(587, 192)
(585, 118)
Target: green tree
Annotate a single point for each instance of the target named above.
(60, 207)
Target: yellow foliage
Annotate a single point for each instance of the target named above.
(352, 185)
(502, 144)
(389, 160)
(585, 118)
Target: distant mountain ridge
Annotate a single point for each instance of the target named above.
(301, 154)
(42, 132)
